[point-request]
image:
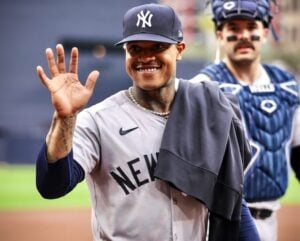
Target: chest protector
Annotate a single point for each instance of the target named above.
(268, 112)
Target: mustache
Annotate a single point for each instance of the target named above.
(234, 38)
(244, 44)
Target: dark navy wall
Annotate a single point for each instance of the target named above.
(27, 28)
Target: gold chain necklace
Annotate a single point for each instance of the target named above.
(132, 98)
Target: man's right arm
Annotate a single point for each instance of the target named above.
(56, 179)
(56, 171)
(59, 139)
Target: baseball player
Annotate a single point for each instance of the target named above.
(132, 150)
(269, 99)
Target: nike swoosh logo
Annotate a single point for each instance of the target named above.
(124, 132)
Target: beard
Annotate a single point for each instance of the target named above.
(242, 63)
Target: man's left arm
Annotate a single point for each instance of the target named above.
(295, 152)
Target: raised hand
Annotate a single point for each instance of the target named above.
(68, 95)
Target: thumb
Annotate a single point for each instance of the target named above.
(41, 74)
(91, 80)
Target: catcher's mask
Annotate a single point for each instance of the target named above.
(224, 10)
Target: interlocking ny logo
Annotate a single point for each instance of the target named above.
(145, 19)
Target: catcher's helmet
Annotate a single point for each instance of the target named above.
(236, 9)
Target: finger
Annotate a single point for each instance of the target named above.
(61, 58)
(74, 60)
(43, 77)
(51, 62)
(91, 80)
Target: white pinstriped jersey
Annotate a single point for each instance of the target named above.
(117, 144)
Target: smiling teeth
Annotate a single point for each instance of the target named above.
(148, 70)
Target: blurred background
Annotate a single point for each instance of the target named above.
(29, 27)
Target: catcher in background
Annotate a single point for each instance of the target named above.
(269, 100)
(161, 161)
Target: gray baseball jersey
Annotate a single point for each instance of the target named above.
(117, 143)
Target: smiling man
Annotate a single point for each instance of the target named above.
(268, 97)
(161, 161)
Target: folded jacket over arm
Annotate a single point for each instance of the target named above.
(203, 150)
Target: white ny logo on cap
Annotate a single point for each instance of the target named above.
(144, 18)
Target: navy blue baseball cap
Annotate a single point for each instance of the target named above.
(224, 10)
(151, 22)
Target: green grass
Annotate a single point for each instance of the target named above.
(292, 195)
(18, 191)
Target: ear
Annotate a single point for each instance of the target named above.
(265, 35)
(219, 35)
(180, 48)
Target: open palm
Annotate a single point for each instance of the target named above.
(68, 95)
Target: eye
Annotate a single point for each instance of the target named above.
(252, 27)
(134, 49)
(155, 48)
(233, 28)
(160, 47)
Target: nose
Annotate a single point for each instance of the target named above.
(146, 56)
(244, 34)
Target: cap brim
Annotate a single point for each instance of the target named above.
(146, 37)
(239, 16)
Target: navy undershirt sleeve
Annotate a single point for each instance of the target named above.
(248, 230)
(54, 180)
